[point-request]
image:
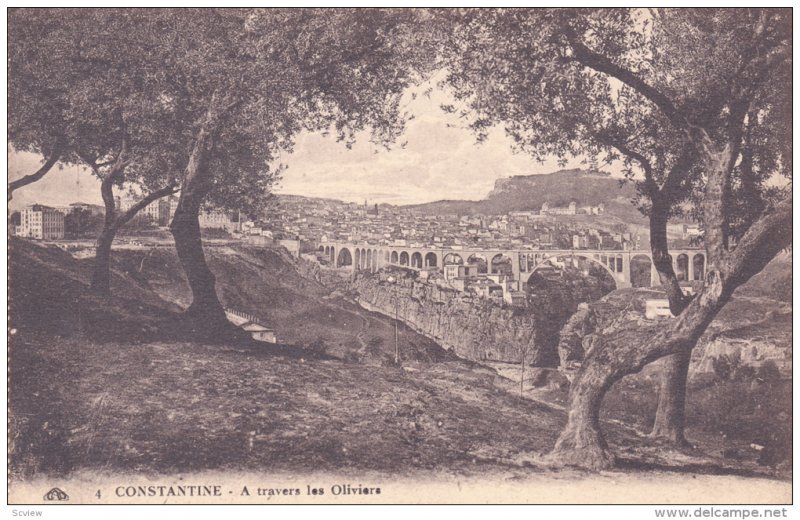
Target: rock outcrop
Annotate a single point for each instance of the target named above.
(753, 330)
(470, 327)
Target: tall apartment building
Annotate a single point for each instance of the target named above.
(41, 222)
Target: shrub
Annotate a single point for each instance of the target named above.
(725, 365)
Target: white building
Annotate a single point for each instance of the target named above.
(149, 212)
(569, 210)
(41, 222)
(218, 219)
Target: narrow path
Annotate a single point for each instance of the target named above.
(362, 331)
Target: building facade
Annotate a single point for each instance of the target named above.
(41, 222)
(218, 219)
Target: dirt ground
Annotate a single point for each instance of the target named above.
(168, 408)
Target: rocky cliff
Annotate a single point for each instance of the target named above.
(529, 192)
(470, 327)
(750, 330)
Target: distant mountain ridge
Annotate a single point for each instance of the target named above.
(529, 192)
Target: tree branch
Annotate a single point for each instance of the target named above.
(660, 199)
(589, 58)
(196, 179)
(662, 261)
(624, 149)
(55, 154)
(677, 174)
(146, 201)
(115, 176)
(764, 239)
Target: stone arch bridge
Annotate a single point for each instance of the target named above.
(689, 264)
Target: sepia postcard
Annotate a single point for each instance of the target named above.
(400, 256)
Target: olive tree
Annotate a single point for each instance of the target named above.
(83, 80)
(692, 101)
(249, 80)
(201, 101)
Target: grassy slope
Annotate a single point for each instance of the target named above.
(179, 407)
(264, 283)
(142, 400)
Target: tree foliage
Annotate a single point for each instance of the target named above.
(142, 95)
(691, 101)
(207, 99)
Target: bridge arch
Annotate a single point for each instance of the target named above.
(416, 260)
(641, 269)
(394, 258)
(699, 266)
(480, 260)
(369, 259)
(386, 256)
(345, 258)
(501, 264)
(431, 260)
(404, 259)
(324, 249)
(682, 267)
(453, 259)
(332, 254)
(546, 261)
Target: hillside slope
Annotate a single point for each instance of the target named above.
(265, 282)
(139, 400)
(529, 192)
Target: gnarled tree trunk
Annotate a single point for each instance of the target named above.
(113, 221)
(101, 277)
(670, 416)
(670, 420)
(101, 271)
(205, 316)
(581, 443)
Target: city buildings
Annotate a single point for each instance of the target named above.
(41, 222)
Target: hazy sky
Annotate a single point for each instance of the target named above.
(440, 160)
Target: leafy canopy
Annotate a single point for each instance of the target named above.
(587, 82)
(146, 77)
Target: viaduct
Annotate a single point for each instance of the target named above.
(689, 264)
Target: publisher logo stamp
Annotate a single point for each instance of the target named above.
(56, 495)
